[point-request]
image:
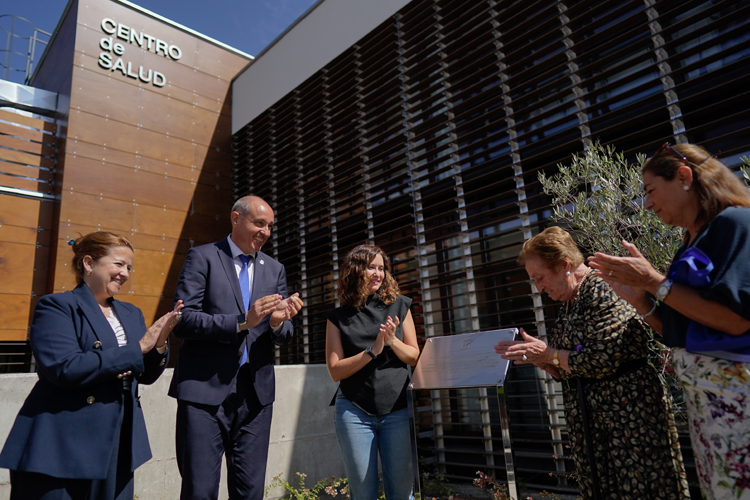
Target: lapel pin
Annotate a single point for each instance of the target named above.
(261, 262)
(97, 345)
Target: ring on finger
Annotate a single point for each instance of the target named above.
(610, 272)
(525, 357)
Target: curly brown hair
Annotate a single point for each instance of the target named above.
(352, 284)
(96, 245)
(715, 185)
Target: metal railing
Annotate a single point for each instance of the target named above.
(19, 62)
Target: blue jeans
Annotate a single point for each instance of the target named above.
(361, 436)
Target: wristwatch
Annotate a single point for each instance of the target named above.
(555, 359)
(663, 290)
(242, 322)
(368, 350)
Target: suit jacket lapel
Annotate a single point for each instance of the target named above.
(225, 257)
(129, 322)
(259, 272)
(99, 325)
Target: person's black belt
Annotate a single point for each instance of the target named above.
(624, 368)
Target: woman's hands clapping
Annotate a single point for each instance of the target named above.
(631, 277)
(157, 334)
(388, 331)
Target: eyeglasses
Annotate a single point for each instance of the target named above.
(669, 149)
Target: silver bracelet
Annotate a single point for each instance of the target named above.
(643, 316)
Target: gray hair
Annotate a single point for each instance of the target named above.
(242, 206)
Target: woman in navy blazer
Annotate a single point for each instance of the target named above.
(80, 433)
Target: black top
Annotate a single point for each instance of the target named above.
(726, 241)
(380, 387)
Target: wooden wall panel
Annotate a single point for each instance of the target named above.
(15, 131)
(140, 241)
(127, 217)
(26, 184)
(28, 121)
(17, 269)
(99, 130)
(23, 212)
(37, 148)
(26, 159)
(160, 167)
(9, 166)
(191, 98)
(133, 184)
(109, 97)
(24, 222)
(17, 234)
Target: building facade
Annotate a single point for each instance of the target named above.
(134, 137)
(423, 130)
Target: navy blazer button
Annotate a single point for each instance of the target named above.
(119, 376)
(97, 345)
(162, 362)
(90, 400)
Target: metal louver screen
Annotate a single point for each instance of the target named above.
(426, 138)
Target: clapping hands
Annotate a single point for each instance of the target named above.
(286, 310)
(157, 334)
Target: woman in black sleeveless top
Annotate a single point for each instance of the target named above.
(370, 340)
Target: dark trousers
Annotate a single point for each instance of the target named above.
(239, 428)
(118, 485)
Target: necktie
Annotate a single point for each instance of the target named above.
(246, 296)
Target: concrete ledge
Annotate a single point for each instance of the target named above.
(302, 435)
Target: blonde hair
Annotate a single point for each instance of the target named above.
(553, 246)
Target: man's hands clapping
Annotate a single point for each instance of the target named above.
(286, 310)
(280, 309)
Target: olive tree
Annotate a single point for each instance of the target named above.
(598, 197)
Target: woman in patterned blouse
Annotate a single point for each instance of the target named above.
(622, 435)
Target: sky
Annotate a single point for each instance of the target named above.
(247, 25)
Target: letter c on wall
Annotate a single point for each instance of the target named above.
(106, 22)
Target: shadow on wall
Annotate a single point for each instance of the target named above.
(207, 218)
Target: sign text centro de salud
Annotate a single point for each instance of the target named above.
(110, 46)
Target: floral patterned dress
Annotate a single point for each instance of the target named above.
(717, 395)
(634, 440)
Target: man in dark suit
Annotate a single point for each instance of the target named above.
(224, 378)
